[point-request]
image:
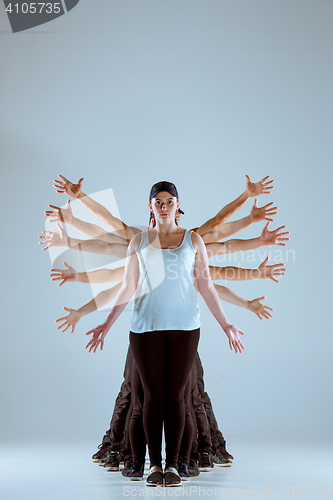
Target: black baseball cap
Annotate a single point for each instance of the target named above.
(163, 186)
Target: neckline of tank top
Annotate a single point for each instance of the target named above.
(175, 248)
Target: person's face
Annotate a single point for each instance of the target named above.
(164, 206)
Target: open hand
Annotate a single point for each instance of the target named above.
(262, 213)
(266, 272)
(64, 215)
(65, 275)
(262, 187)
(65, 186)
(234, 340)
(71, 320)
(273, 237)
(99, 334)
(259, 309)
(54, 239)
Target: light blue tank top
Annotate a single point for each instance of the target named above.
(165, 298)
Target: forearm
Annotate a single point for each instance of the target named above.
(232, 246)
(94, 231)
(211, 298)
(223, 214)
(102, 213)
(101, 276)
(100, 300)
(122, 299)
(97, 246)
(232, 273)
(228, 229)
(228, 295)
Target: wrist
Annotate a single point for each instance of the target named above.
(255, 274)
(225, 327)
(82, 312)
(249, 305)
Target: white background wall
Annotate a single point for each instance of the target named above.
(126, 93)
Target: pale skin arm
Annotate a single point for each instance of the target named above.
(124, 295)
(232, 273)
(74, 190)
(266, 238)
(60, 239)
(226, 230)
(101, 299)
(65, 215)
(206, 289)
(252, 189)
(99, 276)
(255, 305)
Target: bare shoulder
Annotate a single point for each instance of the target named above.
(197, 241)
(135, 243)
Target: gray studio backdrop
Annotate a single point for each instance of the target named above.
(126, 93)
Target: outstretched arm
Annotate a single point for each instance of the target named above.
(74, 190)
(266, 238)
(255, 305)
(206, 289)
(239, 274)
(226, 230)
(100, 300)
(252, 189)
(65, 215)
(99, 276)
(124, 295)
(60, 239)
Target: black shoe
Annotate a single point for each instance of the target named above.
(155, 476)
(222, 449)
(220, 460)
(205, 462)
(128, 466)
(183, 469)
(102, 450)
(193, 468)
(171, 477)
(136, 473)
(112, 462)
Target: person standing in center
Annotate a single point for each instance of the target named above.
(165, 266)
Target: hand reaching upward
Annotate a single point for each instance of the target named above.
(64, 215)
(273, 237)
(263, 213)
(65, 186)
(262, 187)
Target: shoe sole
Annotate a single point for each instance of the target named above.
(112, 469)
(206, 469)
(135, 478)
(222, 465)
